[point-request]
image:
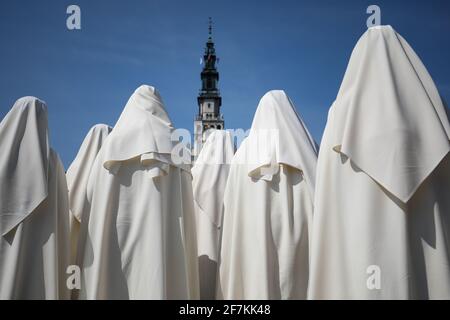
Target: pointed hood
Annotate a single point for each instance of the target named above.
(395, 126)
(279, 136)
(24, 161)
(210, 174)
(143, 130)
(78, 172)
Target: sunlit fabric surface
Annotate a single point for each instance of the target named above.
(268, 207)
(382, 206)
(139, 236)
(77, 179)
(34, 213)
(209, 178)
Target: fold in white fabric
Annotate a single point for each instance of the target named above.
(268, 207)
(209, 178)
(139, 236)
(382, 211)
(279, 136)
(386, 83)
(34, 216)
(23, 137)
(146, 123)
(78, 172)
(210, 174)
(77, 179)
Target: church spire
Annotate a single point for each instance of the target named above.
(210, 75)
(209, 99)
(210, 28)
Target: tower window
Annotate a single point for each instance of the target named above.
(219, 127)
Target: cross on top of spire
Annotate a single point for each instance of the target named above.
(210, 27)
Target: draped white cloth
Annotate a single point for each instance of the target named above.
(209, 178)
(34, 213)
(139, 235)
(382, 210)
(268, 207)
(77, 179)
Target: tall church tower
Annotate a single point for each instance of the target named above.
(209, 99)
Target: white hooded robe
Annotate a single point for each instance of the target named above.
(382, 206)
(139, 236)
(34, 213)
(77, 179)
(268, 207)
(209, 178)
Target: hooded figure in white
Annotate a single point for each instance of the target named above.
(382, 205)
(139, 236)
(268, 207)
(77, 179)
(209, 178)
(34, 212)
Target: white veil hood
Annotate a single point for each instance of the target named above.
(143, 130)
(268, 207)
(210, 175)
(386, 83)
(78, 172)
(24, 161)
(279, 136)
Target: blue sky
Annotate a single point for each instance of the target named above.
(303, 47)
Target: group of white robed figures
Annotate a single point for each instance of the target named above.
(366, 217)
